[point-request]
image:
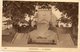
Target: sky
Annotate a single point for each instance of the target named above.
(57, 13)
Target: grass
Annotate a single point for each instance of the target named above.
(67, 30)
(8, 35)
(73, 36)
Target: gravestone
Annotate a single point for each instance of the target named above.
(42, 35)
(47, 15)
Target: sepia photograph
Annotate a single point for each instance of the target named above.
(40, 24)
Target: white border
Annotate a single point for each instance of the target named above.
(45, 49)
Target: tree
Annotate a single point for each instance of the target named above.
(71, 9)
(16, 10)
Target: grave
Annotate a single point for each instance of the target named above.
(43, 35)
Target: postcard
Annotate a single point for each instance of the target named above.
(48, 25)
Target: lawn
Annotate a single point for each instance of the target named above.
(8, 34)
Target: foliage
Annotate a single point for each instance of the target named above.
(16, 9)
(69, 8)
(65, 20)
